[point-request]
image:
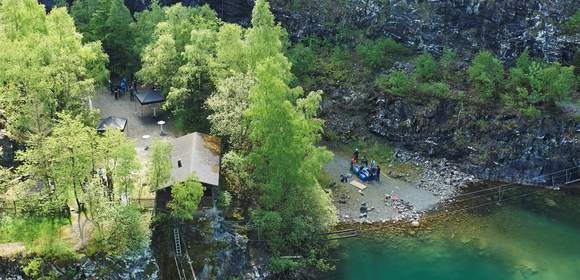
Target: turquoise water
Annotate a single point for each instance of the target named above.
(538, 238)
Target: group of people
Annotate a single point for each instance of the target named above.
(363, 170)
(123, 88)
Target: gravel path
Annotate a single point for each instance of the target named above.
(348, 199)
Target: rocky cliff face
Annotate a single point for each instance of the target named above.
(505, 27)
(489, 143)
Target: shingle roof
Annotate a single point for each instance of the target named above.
(112, 122)
(196, 153)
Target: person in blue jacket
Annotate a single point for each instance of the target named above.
(123, 86)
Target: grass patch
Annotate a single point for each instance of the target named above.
(325, 179)
(40, 235)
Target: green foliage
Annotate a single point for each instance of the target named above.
(185, 198)
(397, 82)
(439, 89)
(380, 53)
(44, 67)
(160, 60)
(124, 231)
(264, 38)
(283, 138)
(572, 26)
(228, 103)
(303, 59)
(119, 160)
(144, 26)
(279, 265)
(33, 268)
(40, 235)
(448, 64)
(237, 177)
(82, 12)
(118, 39)
(283, 158)
(179, 60)
(65, 159)
(576, 62)
(225, 199)
(159, 165)
(108, 21)
(486, 75)
(28, 229)
(70, 161)
(231, 52)
(531, 112)
(534, 82)
(192, 83)
(426, 68)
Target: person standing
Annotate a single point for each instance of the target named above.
(355, 154)
(378, 173)
(116, 93)
(123, 86)
(135, 85)
(111, 87)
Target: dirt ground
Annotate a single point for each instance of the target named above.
(348, 199)
(11, 249)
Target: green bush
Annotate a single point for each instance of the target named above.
(279, 265)
(486, 75)
(534, 82)
(439, 89)
(379, 53)
(225, 199)
(51, 247)
(32, 268)
(336, 62)
(531, 112)
(426, 67)
(576, 63)
(572, 26)
(302, 58)
(371, 53)
(124, 232)
(448, 64)
(397, 83)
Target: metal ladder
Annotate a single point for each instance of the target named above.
(177, 242)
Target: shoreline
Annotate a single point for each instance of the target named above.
(438, 181)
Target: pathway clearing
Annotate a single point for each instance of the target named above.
(11, 249)
(348, 199)
(139, 123)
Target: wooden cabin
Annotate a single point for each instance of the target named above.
(194, 153)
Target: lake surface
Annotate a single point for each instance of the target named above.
(536, 237)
